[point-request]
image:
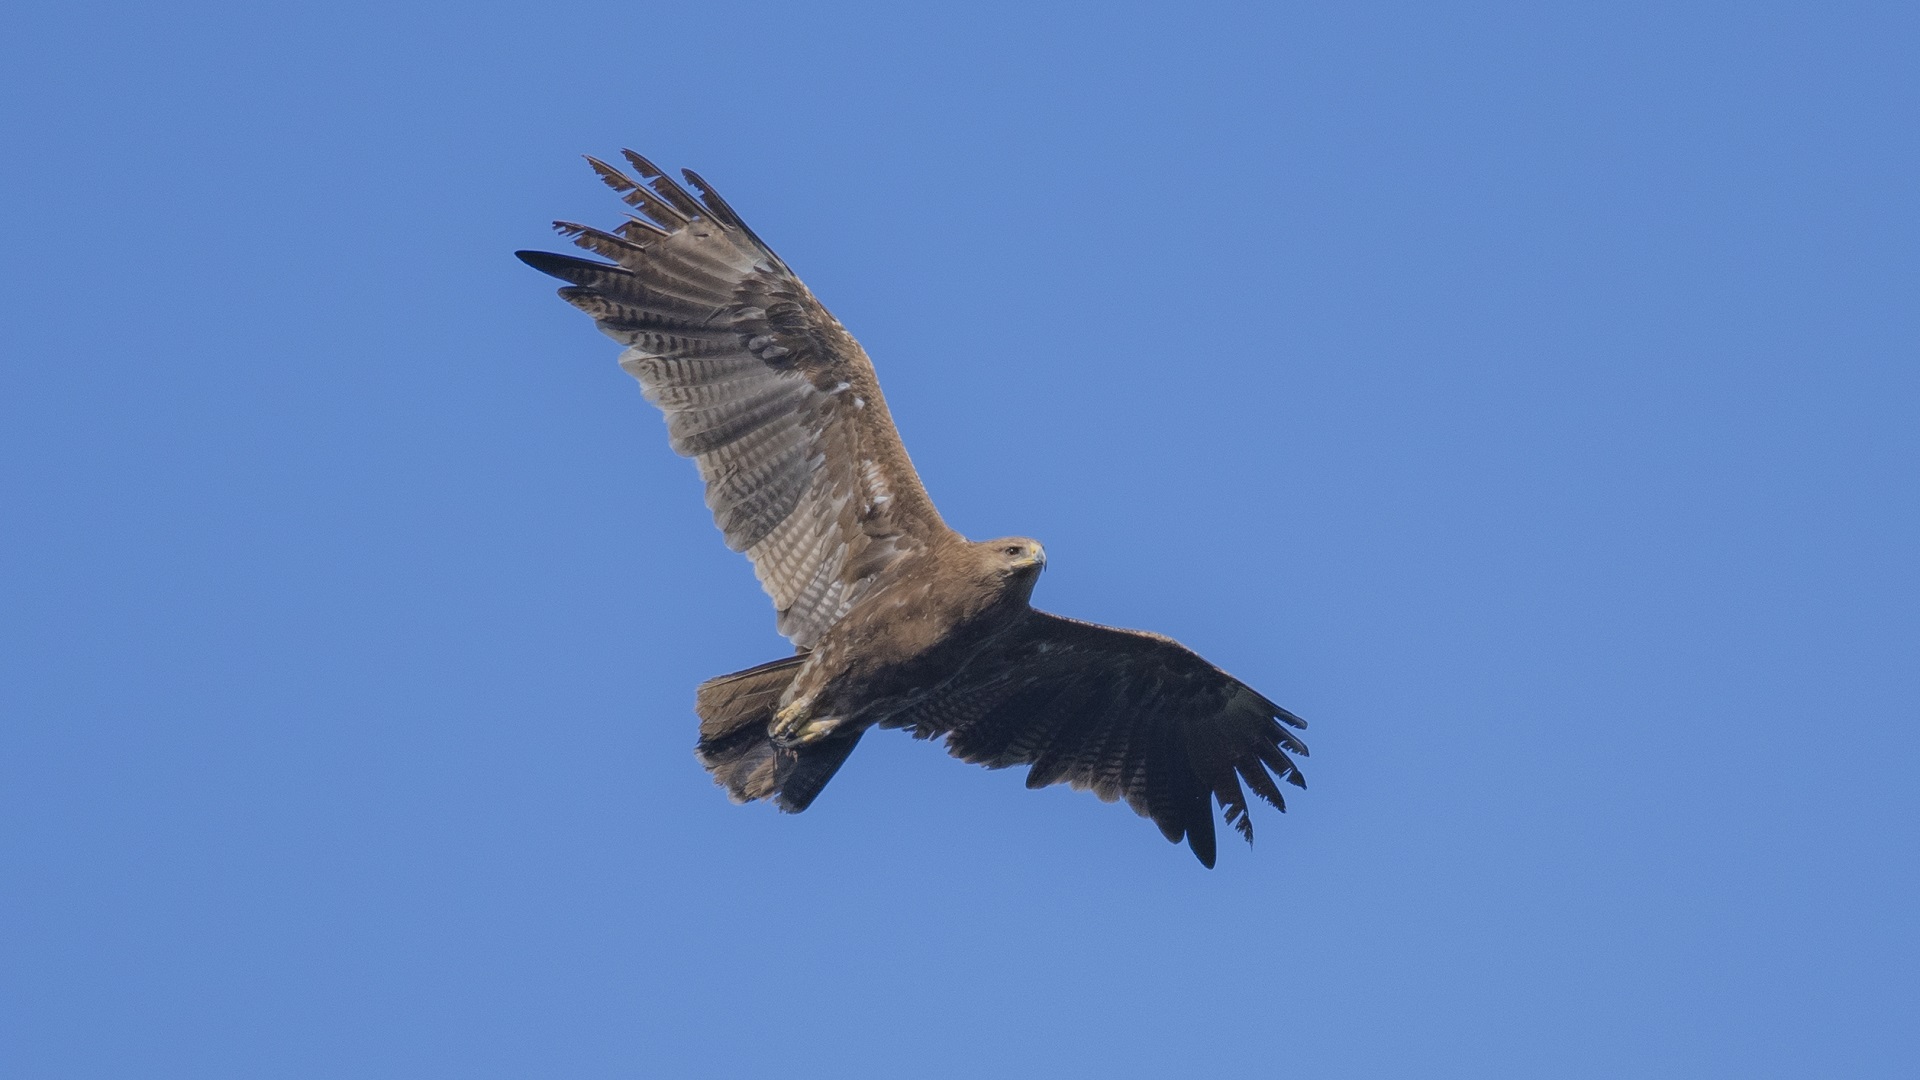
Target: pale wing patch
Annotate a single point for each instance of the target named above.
(766, 392)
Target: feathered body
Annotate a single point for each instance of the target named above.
(898, 621)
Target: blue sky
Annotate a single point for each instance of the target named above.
(1525, 394)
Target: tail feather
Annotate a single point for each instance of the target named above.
(735, 711)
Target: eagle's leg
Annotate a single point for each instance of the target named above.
(795, 725)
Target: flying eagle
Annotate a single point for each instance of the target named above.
(897, 620)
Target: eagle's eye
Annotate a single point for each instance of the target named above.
(1014, 549)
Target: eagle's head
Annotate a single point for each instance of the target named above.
(1014, 562)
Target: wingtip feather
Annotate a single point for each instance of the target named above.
(566, 267)
(539, 260)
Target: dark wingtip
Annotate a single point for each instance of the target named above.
(539, 260)
(1200, 835)
(566, 267)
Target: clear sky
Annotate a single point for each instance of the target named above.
(1525, 394)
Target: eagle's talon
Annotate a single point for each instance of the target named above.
(792, 727)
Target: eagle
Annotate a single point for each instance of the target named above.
(897, 621)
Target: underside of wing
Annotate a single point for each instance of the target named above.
(1125, 714)
(766, 391)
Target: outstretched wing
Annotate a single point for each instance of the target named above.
(1124, 713)
(763, 388)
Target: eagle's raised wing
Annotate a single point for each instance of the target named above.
(763, 388)
(1124, 713)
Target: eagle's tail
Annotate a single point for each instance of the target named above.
(735, 711)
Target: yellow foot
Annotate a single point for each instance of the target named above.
(792, 727)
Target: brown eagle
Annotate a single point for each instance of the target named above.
(897, 620)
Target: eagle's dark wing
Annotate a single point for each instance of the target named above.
(763, 388)
(1124, 713)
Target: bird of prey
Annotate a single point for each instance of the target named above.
(897, 620)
